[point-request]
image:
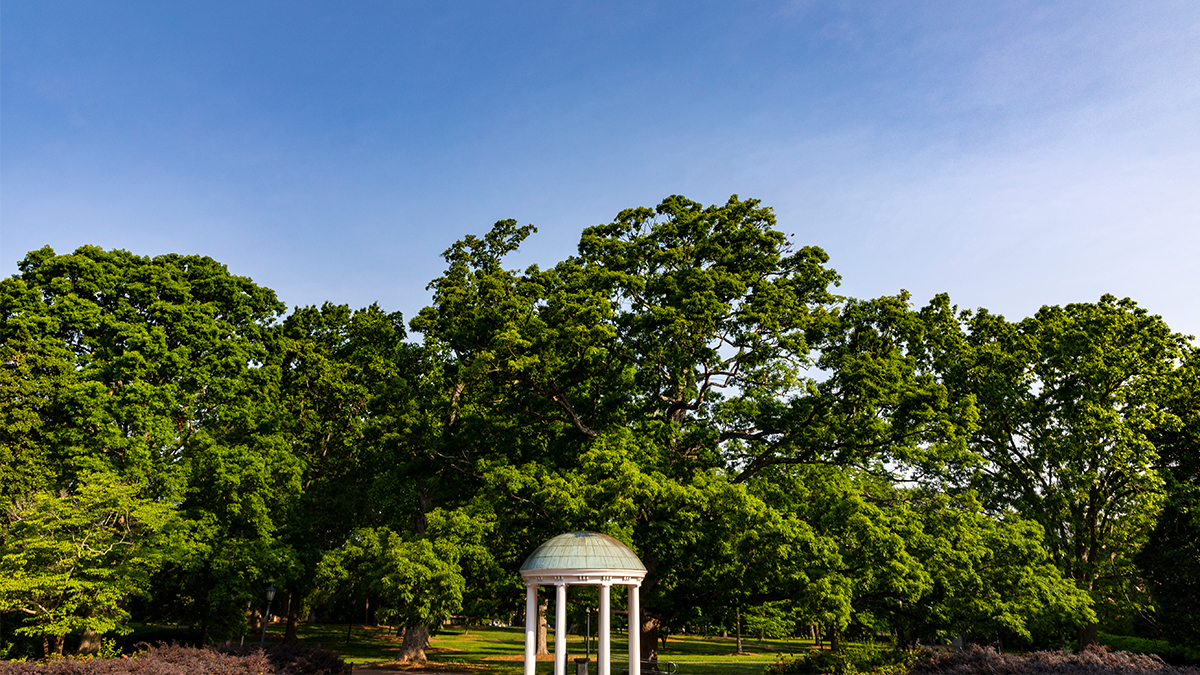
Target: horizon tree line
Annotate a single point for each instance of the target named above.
(172, 440)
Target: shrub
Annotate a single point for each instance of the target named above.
(162, 659)
(1095, 660)
(1178, 655)
(849, 660)
(292, 658)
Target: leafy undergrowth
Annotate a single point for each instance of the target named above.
(1095, 660)
(162, 659)
(850, 660)
(1178, 655)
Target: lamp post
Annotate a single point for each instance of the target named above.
(267, 616)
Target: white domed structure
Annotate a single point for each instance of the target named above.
(576, 552)
(582, 559)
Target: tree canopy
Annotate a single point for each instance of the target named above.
(1072, 402)
(689, 382)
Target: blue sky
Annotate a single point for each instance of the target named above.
(1011, 154)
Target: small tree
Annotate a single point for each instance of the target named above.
(70, 560)
(769, 620)
(418, 581)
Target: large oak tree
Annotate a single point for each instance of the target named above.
(648, 385)
(1071, 404)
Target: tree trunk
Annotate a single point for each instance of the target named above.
(541, 628)
(835, 637)
(416, 639)
(247, 619)
(373, 609)
(425, 503)
(90, 643)
(293, 616)
(1088, 635)
(739, 630)
(649, 642)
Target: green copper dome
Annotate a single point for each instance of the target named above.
(582, 551)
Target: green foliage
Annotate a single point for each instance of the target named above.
(646, 386)
(108, 649)
(1174, 654)
(1070, 403)
(70, 561)
(849, 660)
(419, 580)
(155, 370)
(687, 382)
(344, 386)
(1170, 560)
(769, 620)
(137, 356)
(919, 561)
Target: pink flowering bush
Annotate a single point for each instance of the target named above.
(1095, 660)
(163, 659)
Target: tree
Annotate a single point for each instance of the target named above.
(32, 371)
(1069, 402)
(230, 549)
(684, 352)
(71, 560)
(688, 382)
(917, 560)
(770, 620)
(1170, 558)
(343, 374)
(161, 346)
(156, 370)
(418, 580)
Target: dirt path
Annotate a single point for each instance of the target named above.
(372, 669)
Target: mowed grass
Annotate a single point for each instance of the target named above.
(500, 651)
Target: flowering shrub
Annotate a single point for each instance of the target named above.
(974, 660)
(162, 659)
(1095, 660)
(292, 658)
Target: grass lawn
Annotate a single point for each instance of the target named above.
(500, 651)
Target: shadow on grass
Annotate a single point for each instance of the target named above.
(499, 651)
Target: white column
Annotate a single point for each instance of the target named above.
(560, 630)
(635, 632)
(604, 653)
(531, 628)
